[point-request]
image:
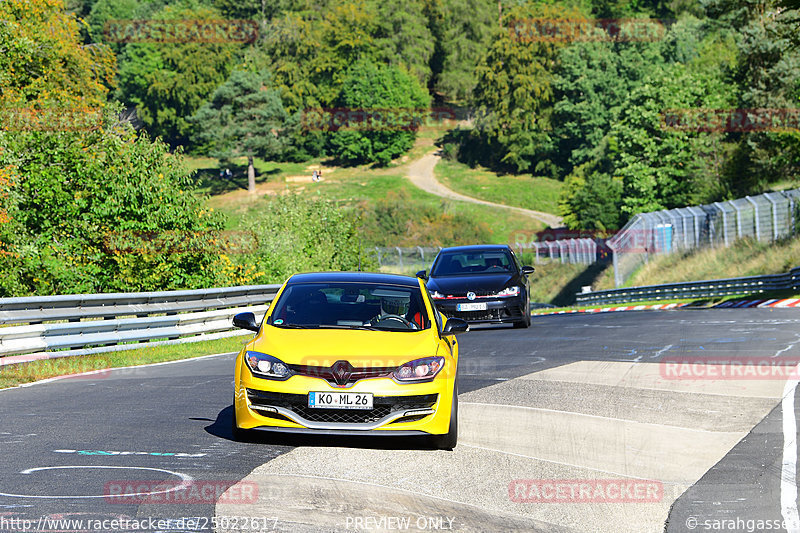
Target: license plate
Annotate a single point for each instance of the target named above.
(479, 306)
(340, 400)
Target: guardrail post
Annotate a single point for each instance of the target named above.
(400, 255)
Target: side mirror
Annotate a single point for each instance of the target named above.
(455, 326)
(527, 270)
(422, 274)
(245, 321)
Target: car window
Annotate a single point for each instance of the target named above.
(350, 305)
(458, 263)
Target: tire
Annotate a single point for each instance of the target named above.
(527, 321)
(449, 440)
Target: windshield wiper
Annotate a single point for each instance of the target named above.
(347, 326)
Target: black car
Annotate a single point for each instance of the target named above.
(481, 284)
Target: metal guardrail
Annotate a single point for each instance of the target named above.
(82, 324)
(695, 289)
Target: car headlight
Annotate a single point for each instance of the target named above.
(509, 291)
(436, 295)
(423, 369)
(266, 366)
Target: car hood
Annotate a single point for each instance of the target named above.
(464, 283)
(362, 348)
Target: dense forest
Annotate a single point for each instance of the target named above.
(580, 106)
(636, 106)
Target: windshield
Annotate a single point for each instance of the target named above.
(456, 263)
(350, 306)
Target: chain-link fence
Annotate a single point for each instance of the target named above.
(405, 259)
(585, 250)
(765, 217)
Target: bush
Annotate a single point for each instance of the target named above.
(301, 233)
(80, 207)
(396, 220)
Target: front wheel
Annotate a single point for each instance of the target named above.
(449, 440)
(527, 321)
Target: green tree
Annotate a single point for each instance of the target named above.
(514, 90)
(591, 200)
(396, 104)
(403, 37)
(592, 82)
(169, 82)
(768, 76)
(81, 195)
(463, 29)
(42, 59)
(243, 118)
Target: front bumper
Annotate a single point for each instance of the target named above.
(498, 311)
(398, 409)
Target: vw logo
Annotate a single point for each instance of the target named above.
(470, 295)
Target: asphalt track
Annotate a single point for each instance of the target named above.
(575, 397)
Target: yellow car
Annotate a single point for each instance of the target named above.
(350, 353)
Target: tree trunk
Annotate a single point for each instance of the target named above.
(251, 176)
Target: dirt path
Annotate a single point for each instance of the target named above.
(420, 172)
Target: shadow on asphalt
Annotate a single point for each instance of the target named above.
(222, 428)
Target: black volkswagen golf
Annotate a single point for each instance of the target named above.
(481, 284)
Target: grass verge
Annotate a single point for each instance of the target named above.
(745, 257)
(17, 374)
(537, 193)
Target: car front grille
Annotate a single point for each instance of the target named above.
(503, 313)
(382, 407)
(356, 373)
(479, 294)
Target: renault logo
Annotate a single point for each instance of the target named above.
(470, 295)
(341, 371)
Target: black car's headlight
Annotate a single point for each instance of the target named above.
(266, 366)
(418, 370)
(509, 291)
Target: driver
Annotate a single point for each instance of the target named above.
(395, 308)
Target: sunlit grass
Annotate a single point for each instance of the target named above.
(746, 257)
(537, 193)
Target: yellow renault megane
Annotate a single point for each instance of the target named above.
(350, 353)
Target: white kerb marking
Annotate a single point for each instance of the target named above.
(789, 463)
(186, 481)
